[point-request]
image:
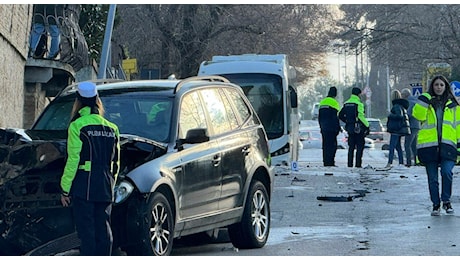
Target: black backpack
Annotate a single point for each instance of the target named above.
(349, 115)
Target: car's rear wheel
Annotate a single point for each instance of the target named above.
(253, 230)
(159, 228)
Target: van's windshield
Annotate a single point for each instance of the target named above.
(265, 92)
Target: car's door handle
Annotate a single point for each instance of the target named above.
(177, 170)
(216, 160)
(246, 150)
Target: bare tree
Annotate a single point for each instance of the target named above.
(176, 38)
(402, 39)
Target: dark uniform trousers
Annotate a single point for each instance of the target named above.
(93, 214)
(329, 146)
(355, 141)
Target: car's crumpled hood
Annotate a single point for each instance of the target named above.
(23, 150)
(31, 165)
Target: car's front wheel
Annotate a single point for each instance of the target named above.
(253, 230)
(159, 228)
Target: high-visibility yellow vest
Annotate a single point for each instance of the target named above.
(429, 147)
(330, 102)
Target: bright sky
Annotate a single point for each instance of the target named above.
(349, 68)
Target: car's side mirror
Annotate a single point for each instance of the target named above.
(194, 136)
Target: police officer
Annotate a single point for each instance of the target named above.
(330, 127)
(356, 125)
(438, 143)
(93, 158)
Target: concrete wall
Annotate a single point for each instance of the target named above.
(15, 22)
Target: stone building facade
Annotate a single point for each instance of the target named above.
(15, 22)
(27, 82)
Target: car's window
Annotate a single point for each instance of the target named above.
(232, 117)
(241, 107)
(152, 110)
(133, 114)
(191, 114)
(216, 110)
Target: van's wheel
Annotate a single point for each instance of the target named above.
(253, 230)
(159, 228)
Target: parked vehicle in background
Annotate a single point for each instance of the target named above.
(268, 82)
(369, 143)
(311, 138)
(194, 159)
(309, 123)
(342, 140)
(376, 130)
(315, 111)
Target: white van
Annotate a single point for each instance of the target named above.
(268, 82)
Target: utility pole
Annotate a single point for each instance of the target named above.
(388, 89)
(106, 45)
(356, 68)
(388, 72)
(362, 66)
(339, 84)
(345, 66)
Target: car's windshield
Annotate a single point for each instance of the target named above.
(139, 113)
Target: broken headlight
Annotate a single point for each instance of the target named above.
(122, 191)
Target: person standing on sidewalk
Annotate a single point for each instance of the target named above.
(410, 141)
(437, 141)
(90, 172)
(397, 126)
(330, 127)
(356, 125)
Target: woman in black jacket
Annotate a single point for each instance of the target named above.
(397, 125)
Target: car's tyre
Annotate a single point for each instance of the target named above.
(253, 230)
(385, 147)
(159, 228)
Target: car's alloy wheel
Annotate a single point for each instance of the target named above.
(253, 230)
(259, 215)
(161, 225)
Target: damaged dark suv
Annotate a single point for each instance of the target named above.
(194, 158)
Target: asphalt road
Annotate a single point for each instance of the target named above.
(379, 213)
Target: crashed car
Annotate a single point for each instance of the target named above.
(194, 159)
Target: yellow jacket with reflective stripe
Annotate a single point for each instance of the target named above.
(328, 115)
(430, 146)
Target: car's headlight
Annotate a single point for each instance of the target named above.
(122, 191)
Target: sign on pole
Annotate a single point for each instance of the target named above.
(417, 89)
(455, 85)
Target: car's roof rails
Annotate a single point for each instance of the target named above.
(95, 81)
(210, 78)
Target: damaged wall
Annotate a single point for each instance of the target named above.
(15, 22)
